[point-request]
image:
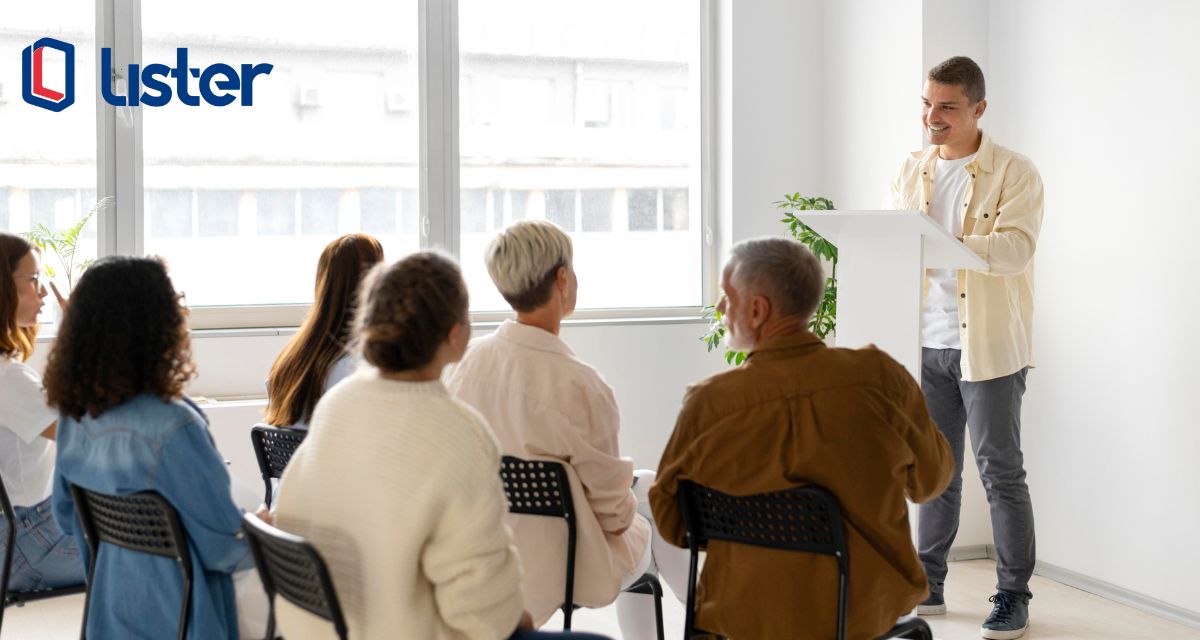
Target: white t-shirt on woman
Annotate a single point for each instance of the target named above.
(26, 458)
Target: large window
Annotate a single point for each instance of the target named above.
(241, 200)
(585, 114)
(47, 159)
(372, 120)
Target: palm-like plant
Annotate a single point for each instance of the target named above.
(824, 320)
(63, 245)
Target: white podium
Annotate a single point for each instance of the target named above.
(882, 257)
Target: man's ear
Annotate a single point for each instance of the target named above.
(760, 310)
(980, 107)
(561, 278)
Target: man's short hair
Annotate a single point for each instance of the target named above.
(524, 259)
(963, 72)
(783, 270)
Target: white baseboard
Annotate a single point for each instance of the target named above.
(1110, 591)
(1105, 590)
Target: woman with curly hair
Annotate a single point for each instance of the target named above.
(43, 556)
(116, 375)
(316, 358)
(437, 560)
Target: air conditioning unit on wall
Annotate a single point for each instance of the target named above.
(308, 96)
(397, 102)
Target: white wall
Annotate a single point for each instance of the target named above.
(771, 115)
(872, 90)
(1104, 97)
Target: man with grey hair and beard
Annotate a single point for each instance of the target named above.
(797, 412)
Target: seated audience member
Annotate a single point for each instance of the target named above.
(44, 557)
(544, 402)
(317, 357)
(116, 376)
(398, 485)
(851, 420)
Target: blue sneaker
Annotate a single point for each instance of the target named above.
(1009, 619)
(934, 605)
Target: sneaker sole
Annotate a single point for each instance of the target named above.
(931, 609)
(995, 634)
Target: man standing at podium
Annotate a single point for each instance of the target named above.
(976, 329)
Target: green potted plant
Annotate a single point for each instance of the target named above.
(824, 321)
(63, 245)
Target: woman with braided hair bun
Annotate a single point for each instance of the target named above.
(398, 484)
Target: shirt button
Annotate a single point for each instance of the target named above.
(962, 295)
(985, 215)
(972, 175)
(964, 325)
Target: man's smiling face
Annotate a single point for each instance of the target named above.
(949, 118)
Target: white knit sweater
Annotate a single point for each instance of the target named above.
(398, 487)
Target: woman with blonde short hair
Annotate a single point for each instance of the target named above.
(543, 402)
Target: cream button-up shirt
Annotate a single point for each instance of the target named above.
(542, 402)
(1002, 218)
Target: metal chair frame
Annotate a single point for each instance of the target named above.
(144, 522)
(19, 598)
(273, 447)
(542, 488)
(290, 566)
(806, 519)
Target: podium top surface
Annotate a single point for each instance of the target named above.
(941, 249)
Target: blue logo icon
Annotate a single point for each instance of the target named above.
(33, 81)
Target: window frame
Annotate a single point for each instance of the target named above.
(119, 167)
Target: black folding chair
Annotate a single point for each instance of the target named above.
(274, 446)
(143, 522)
(19, 598)
(541, 488)
(805, 519)
(290, 566)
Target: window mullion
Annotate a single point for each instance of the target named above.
(438, 60)
(123, 135)
(106, 185)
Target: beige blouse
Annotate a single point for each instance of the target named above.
(543, 402)
(398, 487)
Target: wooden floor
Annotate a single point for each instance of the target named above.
(1058, 612)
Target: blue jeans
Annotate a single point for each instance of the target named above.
(44, 557)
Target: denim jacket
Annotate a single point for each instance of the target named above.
(147, 444)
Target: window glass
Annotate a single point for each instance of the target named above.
(328, 146)
(585, 114)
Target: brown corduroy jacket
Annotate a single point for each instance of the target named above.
(852, 421)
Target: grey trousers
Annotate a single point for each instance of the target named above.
(992, 410)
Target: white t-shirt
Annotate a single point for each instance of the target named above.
(26, 458)
(939, 315)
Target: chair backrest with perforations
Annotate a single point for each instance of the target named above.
(290, 566)
(273, 447)
(805, 518)
(143, 522)
(537, 487)
(542, 488)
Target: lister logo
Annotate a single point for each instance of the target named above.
(217, 82)
(33, 85)
(218, 85)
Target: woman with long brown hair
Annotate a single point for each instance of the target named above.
(316, 358)
(43, 556)
(116, 375)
